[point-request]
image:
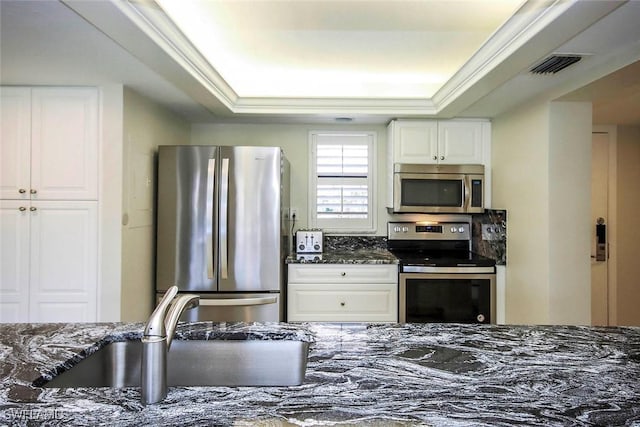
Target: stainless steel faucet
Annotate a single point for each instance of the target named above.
(156, 341)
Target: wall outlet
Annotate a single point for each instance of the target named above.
(293, 214)
(492, 232)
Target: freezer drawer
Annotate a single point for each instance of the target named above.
(254, 307)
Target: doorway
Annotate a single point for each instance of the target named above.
(603, 182)
(599, 219)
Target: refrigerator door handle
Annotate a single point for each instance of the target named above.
(237, 301)
(224, 211)
(211, 170)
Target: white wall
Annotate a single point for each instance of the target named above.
(146, 125)
(294, 140)
(627, 302)
(541, 176)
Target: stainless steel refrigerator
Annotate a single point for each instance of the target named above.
(222, 229)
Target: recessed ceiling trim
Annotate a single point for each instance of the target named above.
(334, 106)
(473, 81)
(532, 18)
(151, 19)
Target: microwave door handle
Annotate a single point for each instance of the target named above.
(467, 193)
(211, 170)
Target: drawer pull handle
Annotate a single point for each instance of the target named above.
(343, 274)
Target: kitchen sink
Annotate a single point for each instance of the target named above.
(194, 363)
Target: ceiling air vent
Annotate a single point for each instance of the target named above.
(555, 63)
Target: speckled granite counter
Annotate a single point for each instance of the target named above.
(428, 374)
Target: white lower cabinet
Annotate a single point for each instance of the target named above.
(49, 261)
(342, 293)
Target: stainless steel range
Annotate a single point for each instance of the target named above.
(440, 279)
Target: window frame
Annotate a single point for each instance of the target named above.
(343, 225)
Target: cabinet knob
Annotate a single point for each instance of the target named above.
(441, 157)
(33, 209)
(435, 157)
(342, 304)
(33, 191)
(22, 209)
(22, 191)
(343, 274)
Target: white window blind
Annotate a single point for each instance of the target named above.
(341, 193)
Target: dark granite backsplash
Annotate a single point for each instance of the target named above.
(489, 235)
(346, 243)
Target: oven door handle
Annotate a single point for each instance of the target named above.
(428, 269)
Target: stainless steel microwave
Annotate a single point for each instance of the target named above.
(438, 188)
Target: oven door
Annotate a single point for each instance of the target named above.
(447, 298)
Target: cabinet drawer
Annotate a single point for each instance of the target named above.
(343, 273)
(338, 303)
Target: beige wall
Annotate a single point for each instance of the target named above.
(628, 235)
(520, 185)
(110, 203)
(570, 213)
(541, 168)
(294, 140)
(146, 125)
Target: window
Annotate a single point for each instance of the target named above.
(341, 187)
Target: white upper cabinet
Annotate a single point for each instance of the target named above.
(414, 142)
(49, 147)
(461, 142)
(439, 141)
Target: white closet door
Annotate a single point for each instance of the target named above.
(64, 148)
(14, 261)
(64, 252)
(15, 142)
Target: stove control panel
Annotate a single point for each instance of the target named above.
(428, 231)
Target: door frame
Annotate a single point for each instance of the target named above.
(611, 222)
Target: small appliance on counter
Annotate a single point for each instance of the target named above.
(309, 241)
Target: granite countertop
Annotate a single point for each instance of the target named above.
(411, 374)
(345, 256)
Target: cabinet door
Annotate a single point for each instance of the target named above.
(15, 142)
(63, 261)
(14, 261)
(64, 148)
(415, 142)
(460, 142)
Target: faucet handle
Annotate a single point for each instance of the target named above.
(155, 325)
